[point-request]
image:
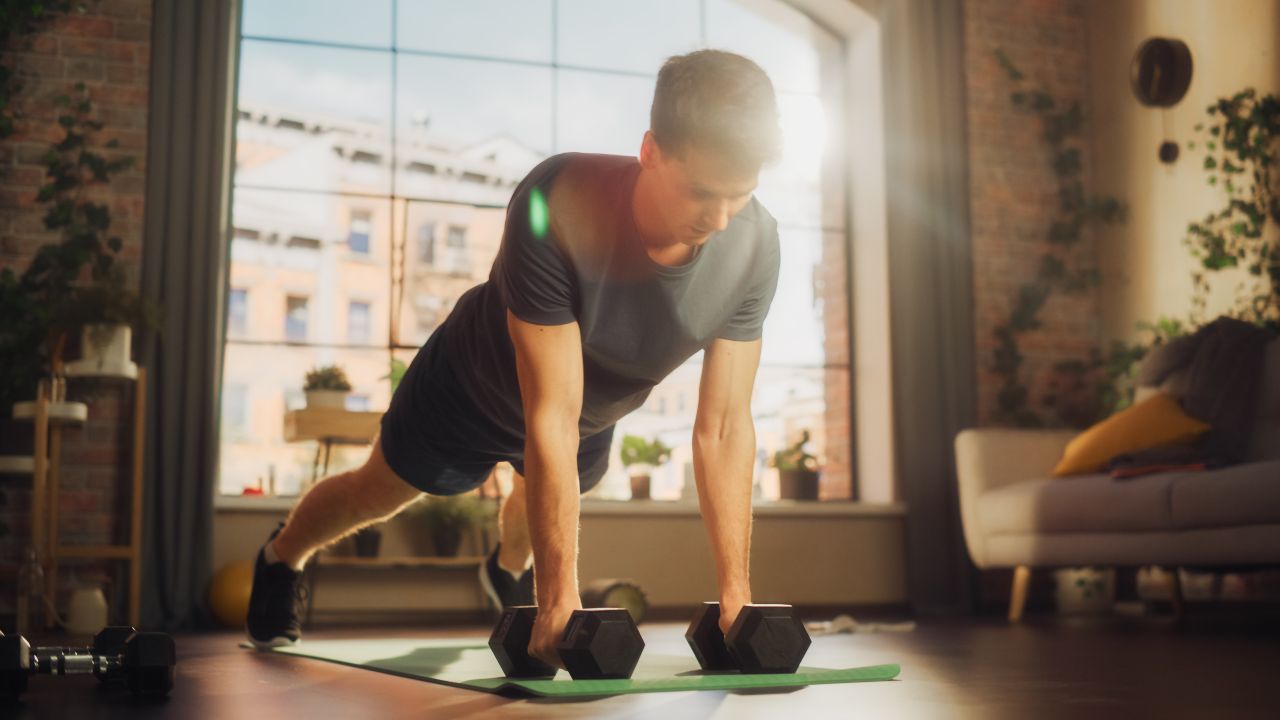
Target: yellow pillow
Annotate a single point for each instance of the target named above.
(1158, 420)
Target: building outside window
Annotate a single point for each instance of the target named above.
(238, 312)
(295, 319)
(358, 323)
(359, 232)
(385, 120)
(427, 244)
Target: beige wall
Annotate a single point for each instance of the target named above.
(1146, 269)
(827, 556)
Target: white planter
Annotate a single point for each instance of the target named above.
(334, 399)
(104, 352)
(1085, 591)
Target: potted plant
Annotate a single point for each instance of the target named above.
(327, 387)
(74, 281)
(106, 313)
(797, 471)
(640, 456)
(445, 517)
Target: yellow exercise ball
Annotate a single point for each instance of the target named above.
(229, 593)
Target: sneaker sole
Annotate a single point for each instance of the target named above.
(275, 642)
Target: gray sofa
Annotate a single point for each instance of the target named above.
(1016, 515)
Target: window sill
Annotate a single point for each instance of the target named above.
(780, 508)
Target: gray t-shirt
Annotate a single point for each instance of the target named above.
(570, 251)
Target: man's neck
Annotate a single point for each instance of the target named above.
(661, 247)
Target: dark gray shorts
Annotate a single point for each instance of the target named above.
(436, 440)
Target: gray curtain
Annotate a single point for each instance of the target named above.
(183, 261)
(930, 286)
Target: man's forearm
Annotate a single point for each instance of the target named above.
(723, 467)
(552, 505)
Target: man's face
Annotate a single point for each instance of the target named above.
(697, 194)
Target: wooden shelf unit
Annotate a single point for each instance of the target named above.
(50, 412)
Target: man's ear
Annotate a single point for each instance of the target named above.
(650, 153)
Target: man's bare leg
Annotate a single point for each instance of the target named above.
(515, 552)
(340, 505)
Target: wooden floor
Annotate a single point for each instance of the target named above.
(1131, 668)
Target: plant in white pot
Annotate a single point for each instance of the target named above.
(106, 312)
(797, 471)
(327, 387)
(640, 457)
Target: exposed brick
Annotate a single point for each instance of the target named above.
(85, 26)
(133, 31)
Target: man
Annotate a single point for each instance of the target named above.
(611, 273)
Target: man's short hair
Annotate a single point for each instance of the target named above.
(717, 102)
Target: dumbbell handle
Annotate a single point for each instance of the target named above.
(72, 661)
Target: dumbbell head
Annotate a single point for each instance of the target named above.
(601, 643)
(707, 641)
(768, 639)
(510, 643)
(15, 666)
(150, 663)
(110, 640)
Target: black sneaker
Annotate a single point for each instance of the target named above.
(277, 599)
(502, 589)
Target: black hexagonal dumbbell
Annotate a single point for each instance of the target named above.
(763, 639)
(599, 643)
(145, 661)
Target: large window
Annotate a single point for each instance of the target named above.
(378, 143)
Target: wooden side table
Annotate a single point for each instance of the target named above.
(329, 427)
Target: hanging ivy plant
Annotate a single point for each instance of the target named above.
(1064, 267)
(18, 19)
(1241, 145)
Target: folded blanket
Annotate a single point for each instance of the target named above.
(1215, 373)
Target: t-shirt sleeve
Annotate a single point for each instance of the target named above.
(747, 322)
(533, 276)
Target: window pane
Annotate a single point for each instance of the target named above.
(358, 317)
(295, 244)
(626, 35)
(513, 29)
(807, 187)
(461, 259)
(367, 22)
(272, 378)
(602, 113)
(469, 130)
(789, 46)
(359, 230)
(237, 313)
(427, 243)
(794, 330)
(295, 318)
(313, 117)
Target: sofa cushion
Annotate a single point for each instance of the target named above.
(1246, 494)
(1265, 444)
(1085, 503)
(1158, 420)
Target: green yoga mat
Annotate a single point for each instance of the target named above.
(470, 664)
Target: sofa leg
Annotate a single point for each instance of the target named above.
(1021, 583)
(1175, 592)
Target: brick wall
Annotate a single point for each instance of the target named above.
(1013, 191)
(107, 47)
(832, 287)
